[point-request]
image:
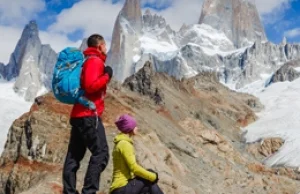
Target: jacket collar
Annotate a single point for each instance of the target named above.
(122, 136)
(91, 51)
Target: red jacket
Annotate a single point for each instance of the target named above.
(93, 82)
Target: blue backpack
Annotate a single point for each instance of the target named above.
(66, 78)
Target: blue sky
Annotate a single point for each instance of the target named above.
(288, 20)
(66, 22)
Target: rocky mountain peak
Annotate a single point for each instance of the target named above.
(31, 63)
(284, 41)
(126, 32)
(238, 19)
(28, 40)
(154, 21)
(147, 12)
(30, 31)
(83, 45)
(133, 13)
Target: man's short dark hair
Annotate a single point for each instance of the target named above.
(94, 40)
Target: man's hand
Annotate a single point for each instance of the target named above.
(109, 71)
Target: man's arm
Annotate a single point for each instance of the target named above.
(94, 78)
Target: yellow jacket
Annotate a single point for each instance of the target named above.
(124, 163)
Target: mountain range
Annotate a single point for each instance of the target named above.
(229, 39)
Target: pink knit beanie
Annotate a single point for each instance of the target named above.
(126, 123)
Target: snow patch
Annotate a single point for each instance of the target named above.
(136, 58)
(42, 91)
(12, 107)
(161, 49)
(280, 118)
(297, 69)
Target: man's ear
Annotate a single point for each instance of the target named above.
(99, 47)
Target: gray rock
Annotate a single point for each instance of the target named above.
(126, 32)
(144, 83)
(157, 25)
(47, 60)
(238, 19)
(240, 67)
(131, 11)
(83, 45)
(2, 70)
(288, 72)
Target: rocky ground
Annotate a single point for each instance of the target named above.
(190, 134)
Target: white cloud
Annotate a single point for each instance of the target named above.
(272, 11)
(91, 16)
(57, 41)
(181, 12)
(94, 16)
(293, 33)
(8, 37)
(268, 6)
(15, 12)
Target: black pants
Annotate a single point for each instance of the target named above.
(84, 134)
(139, 186)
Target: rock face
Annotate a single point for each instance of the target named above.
(2, 69)
(126, 32)
(195, 133)
(261, 58)
(31, 64)
(265, 148)
(238, 68)
(288, 72)
(270, 146)
(83, 45)
(133, 14)
(154, 24)
(143, 83)
(238, 19)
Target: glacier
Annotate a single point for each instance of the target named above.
(280, 118)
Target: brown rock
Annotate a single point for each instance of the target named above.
(270, 146)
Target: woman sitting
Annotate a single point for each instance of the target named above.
(128, 176)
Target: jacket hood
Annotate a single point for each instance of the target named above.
(91, 51)
(122, 136)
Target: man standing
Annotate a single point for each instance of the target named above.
(87, 128)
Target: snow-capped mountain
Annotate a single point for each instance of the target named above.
(31, 64)
(212, 45)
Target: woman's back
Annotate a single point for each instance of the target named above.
(121, 171)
